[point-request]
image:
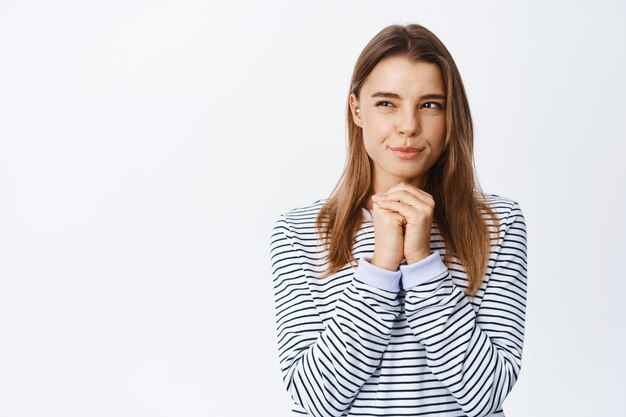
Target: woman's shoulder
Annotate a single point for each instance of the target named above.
(500, 203)
(304, 211)
(300, 218)
(507, 209)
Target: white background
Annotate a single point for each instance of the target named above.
(147, 147)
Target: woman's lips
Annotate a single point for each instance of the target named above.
(406, 153)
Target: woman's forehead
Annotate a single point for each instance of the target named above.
(405, 78)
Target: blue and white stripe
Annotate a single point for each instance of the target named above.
(367, 341)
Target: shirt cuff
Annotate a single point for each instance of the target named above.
(422, 271)
(377, 276)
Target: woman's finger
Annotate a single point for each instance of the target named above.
(408, 211)
(422, 195)
(405, 197)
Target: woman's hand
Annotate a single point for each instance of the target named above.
(416, 207)
(388, 237)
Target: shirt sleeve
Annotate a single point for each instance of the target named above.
(377, 276)
(325, 364)
(477, 356)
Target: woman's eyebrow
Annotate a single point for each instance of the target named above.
(388, 94)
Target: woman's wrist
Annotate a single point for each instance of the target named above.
(384, 263)
(414, 258)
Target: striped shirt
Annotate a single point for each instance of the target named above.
(368, 341)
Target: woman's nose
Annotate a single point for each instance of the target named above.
(409, 124)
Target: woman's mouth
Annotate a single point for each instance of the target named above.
(407, 152)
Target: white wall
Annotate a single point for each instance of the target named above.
(147, 147)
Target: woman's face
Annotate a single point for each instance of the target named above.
(402, 104)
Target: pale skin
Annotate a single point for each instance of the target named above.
(413, 116)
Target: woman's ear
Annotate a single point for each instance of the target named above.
(356, 111)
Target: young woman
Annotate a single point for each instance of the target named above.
(403, 293)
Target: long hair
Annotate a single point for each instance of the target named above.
(451, 181)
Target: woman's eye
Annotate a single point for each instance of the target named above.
(381, 102)
(437, 104)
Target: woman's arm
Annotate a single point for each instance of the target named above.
(477, 356)
(324, 365)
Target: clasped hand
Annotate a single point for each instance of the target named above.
(416, 208)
